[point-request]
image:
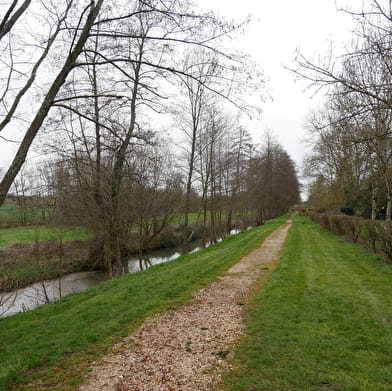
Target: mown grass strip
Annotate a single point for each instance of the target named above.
(80, 321)
(31, 234)
(323, 322)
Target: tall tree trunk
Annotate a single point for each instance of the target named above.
(389, 199)
(189, 183)
(229, 220)
(374, 201)
(47, 103)
(118, 167)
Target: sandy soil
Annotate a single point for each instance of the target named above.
(187, 349)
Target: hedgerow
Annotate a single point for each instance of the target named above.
(375, 235)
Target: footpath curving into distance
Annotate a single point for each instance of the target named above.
(185, 349)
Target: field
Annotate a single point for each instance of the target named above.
(324, 322)
(9, 236)
(10, 215)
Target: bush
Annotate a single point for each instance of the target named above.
(351, 228)
(368, 233)
(336, 224)
(375, 235)
(384, 238)
(347, 210)
(321, 219)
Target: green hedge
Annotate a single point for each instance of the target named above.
(376, 235)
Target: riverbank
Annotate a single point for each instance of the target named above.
(45, 253)
(23, 264)
(323, 322)
(57, 342)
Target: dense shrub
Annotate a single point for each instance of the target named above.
(351, 228)
(384, 238)
(347, 210)
(337, 224)
(321, 219)
(369, 233)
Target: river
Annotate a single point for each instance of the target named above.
(41, 293)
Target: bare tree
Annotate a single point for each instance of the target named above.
(79, 39)
(11, 16)
(272, 181)
(96, 28)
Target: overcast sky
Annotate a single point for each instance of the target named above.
(281, 27)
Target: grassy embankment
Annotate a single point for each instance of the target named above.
(323, 322)
(61, 338)
(26, 262)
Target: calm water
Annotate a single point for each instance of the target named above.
(47, 291)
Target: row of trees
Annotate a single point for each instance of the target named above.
(91, 83)
(233, 183)
(351, 161)
(104, 64)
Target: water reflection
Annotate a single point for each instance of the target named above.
(143, 262)
(45, 292)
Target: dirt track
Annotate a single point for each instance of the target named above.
(187, 349)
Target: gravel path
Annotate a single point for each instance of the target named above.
(187, 349)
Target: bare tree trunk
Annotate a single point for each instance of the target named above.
(389, 199)
(98, 144)
(8, 21)
(118, 169)
(189, 181)
(205, 209)
(229, 220)
(47, 103)
(374, 201)
(389, 207)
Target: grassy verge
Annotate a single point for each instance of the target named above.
(323, 322)
(72, 329)
(9, 236)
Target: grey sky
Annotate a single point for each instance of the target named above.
(281, 27)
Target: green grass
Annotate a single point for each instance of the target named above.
(8, 211)
(178, 218)
(31, 234)
(78, 322)
(323, 322)
(10, 215)
(198, 217)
